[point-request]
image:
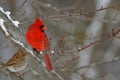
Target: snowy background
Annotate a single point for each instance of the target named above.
(100, 61)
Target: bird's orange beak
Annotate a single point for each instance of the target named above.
(44, 28)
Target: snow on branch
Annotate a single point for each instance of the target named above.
(16, 23)
(3, 27)
(7, 13)
(18, 42)
(28, 50)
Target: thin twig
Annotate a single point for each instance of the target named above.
(95, 42)
(54, 72)
(11, 37)
(23, 4)
(59, 42)
(85, 12)
(96, 64)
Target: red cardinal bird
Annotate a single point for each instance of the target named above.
(37, 38)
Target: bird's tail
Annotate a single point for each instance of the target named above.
(48, 63)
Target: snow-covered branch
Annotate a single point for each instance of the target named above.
(18, 42)
(16, 24)
(3, 27)
(7, 13)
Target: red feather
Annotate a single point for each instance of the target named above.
(47, 62)
(37, 38)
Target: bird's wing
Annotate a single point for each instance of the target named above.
(46, 42)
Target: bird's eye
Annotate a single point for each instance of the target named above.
(41, 28)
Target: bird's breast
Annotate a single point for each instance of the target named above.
(35, 39)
